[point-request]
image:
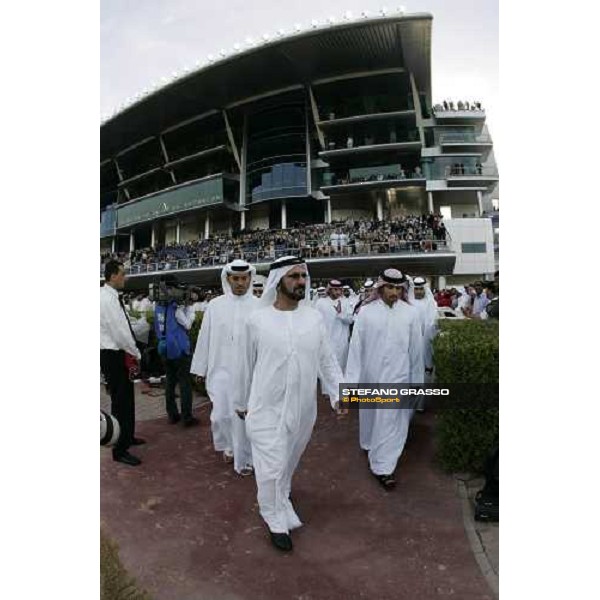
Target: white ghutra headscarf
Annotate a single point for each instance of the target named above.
(278, 269)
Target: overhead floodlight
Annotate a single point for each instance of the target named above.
(237, 47)
(249, 41)
(365, 14)
(297, 27)
(383, 11)
(331, 20)
(211, 58)
(222, 52)
(266, 37)
(314, 23)
(402, 9)
(281, 32)
(348, 16)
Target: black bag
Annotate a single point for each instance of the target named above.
(487, 506)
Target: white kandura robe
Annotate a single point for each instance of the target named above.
(338, 326)
(218, 357)
(428, 320)
(386, 348)
(286, 352)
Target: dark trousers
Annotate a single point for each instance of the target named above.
(122, 404)
(178, 371)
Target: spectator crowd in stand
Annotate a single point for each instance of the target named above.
(472, 301)
(342, 238)
(447, 105)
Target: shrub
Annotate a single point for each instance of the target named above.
(115, 582)
(466, 351)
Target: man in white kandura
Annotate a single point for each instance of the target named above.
(421, 297)
(337, 314)
(386, 348)
(219, 358)
(321, 293)
(363, 296)
(287, 350)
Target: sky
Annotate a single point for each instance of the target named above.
(142, 41)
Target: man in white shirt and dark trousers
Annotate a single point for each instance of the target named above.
(116, 341)
(172, 323)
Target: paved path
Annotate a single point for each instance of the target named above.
(189, 529)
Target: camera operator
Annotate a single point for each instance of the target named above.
(172, 323)
(117, 350)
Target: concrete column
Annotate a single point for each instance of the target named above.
(441, 282)
(329, 211)
(207, 226)
(113, 244)
(283, 215)
(177, 231)
(243, 220)
(479, 203)
(380, 208)
(153, 235)
(131, 242)
(430, 201)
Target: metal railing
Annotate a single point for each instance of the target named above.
(326, 250)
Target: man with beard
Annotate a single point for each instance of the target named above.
(287, 350)
(386, 347)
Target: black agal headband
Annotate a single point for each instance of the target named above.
(288, 262)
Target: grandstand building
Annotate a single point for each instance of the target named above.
(329, 123)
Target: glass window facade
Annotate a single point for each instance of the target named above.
(473, 247)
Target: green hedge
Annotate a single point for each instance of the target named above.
(115, 581)
(466, 351)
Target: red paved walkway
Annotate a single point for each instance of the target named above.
(189, 529)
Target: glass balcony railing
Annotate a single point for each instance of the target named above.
(393, 137)
(370, 175)
(312, 250)
(469, 171)
(464, 138)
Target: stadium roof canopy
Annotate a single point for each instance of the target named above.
(295, 60)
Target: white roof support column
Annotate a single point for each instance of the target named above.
(131, 242)
(430, 201)
(120, 176)
(417, 105)
(315, 113)
(307, 136)
(243, 168)
(178, 231)
(207, 226)
(283, 214)
(232, 141)
(166, 158)
(479, 203)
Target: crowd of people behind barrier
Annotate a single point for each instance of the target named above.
(342, 238)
